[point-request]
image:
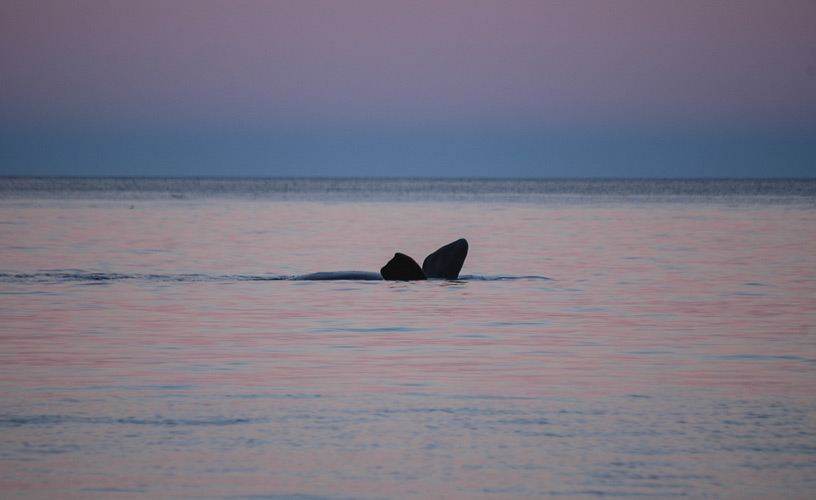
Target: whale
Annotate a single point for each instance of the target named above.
(402, 268)
(341, 275)
(444, 263)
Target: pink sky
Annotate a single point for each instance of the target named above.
(300, 64)
(417, 61)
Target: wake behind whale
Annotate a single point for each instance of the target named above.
(445, 263)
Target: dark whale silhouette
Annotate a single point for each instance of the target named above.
(445, 263)
(402, 268)
(341, 275)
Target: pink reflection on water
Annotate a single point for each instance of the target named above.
(693, 301)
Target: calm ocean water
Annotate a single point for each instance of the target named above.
(607, 339)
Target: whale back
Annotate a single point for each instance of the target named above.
(446, 262)
(402, 268)
(340, 275)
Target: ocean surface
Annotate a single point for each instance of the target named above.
(606, 338)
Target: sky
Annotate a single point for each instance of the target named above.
(439, 88)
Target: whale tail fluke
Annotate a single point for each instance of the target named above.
(446, 262)
(402, 268)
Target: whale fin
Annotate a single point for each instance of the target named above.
(402, 268)
(446, 262)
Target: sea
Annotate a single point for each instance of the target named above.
(607, 338)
